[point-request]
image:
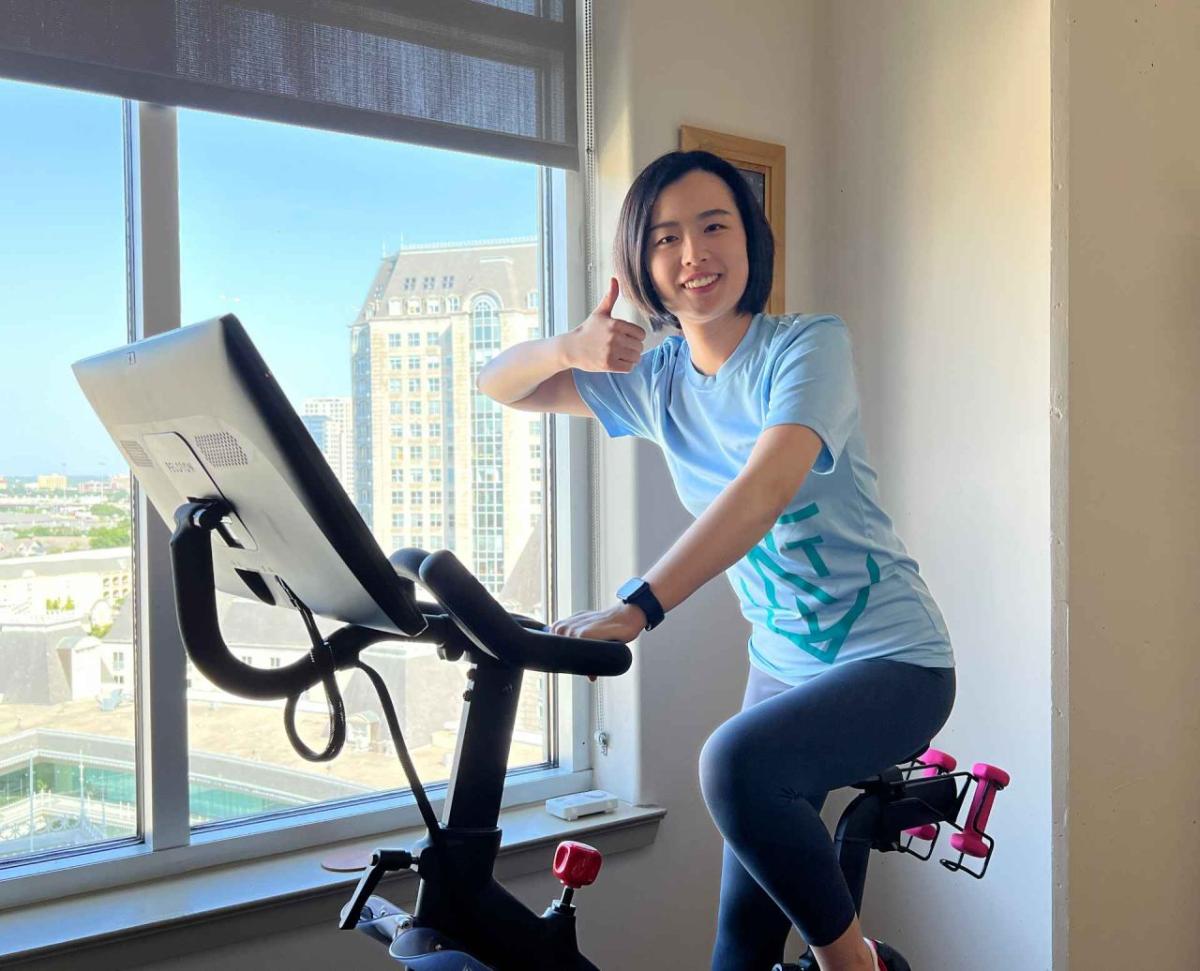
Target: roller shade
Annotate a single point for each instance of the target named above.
(496, 77)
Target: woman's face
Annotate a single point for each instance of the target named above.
(696, 249)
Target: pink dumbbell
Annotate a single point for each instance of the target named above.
(935, 762)
(988, 781)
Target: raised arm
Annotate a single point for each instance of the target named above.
(536, 375)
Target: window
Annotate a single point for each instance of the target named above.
(417, 497)
(414, 407)
(414, 363)
(531, 300)
(68, 659)
(397, 497)
(418, 475)
(415, 430)
(221, 781)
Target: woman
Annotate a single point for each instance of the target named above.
(851, 668)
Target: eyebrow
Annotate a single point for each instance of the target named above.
(703, 215)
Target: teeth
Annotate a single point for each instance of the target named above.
(700, 282)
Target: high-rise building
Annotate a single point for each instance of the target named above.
(330, 422)
(436, 463)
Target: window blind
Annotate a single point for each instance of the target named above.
(495, 77)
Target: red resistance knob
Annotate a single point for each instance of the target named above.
(576, 864)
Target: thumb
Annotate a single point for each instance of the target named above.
(605, 306)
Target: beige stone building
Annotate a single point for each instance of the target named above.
(438, 465)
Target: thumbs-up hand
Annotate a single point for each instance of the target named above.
(604, 342)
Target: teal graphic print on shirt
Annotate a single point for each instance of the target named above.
(821, 643)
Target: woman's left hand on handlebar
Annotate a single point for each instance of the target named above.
(620, 623)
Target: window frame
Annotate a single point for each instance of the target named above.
(167, 844)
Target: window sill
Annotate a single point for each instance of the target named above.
(251, 897)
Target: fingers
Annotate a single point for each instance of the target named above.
(609, 299)
(629, 330)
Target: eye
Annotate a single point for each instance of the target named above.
(663, 240)
(714, 226)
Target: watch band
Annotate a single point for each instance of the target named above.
(637, 591)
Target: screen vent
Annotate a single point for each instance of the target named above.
(136, 454)
(221, 449)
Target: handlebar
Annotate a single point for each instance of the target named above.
(474, 620)
(500, 634)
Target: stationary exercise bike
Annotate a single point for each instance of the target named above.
(257, 512)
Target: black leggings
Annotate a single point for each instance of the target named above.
(765, 774)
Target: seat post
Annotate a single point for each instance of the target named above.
(854, 838)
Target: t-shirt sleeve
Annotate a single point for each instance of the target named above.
(812, 383)
(624, 403)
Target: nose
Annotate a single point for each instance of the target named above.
(695, 250)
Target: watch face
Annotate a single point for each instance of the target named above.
(629, 588)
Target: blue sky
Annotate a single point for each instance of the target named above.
(281, 225)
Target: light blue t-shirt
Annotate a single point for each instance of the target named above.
(831, 582)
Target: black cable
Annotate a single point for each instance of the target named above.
(322, 657)
(389, 711)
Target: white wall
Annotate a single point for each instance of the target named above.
(933, 208)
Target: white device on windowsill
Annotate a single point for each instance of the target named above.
(581, 804)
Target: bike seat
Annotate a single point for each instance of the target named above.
(891, 773)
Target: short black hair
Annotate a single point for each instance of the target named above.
(630, 250)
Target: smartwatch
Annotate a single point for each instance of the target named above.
(637, 591)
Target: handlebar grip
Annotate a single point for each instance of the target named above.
(407, 563)
(196, 611)
(497, 633)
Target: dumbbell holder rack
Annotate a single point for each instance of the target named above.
(953, 866)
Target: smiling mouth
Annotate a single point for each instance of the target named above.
(702, 283)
